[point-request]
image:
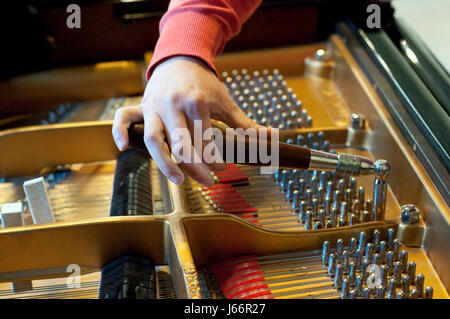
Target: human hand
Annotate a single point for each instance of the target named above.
(180, 91)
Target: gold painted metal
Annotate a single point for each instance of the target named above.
(411, 235)
(45, 89)
(216, 237)
(188, 241)
(28, 150)
(314, 67)
(91, 244)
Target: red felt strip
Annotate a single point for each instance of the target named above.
(232, 174)
(217, 186)
(234, 179)
(241, 278)
(242, 293)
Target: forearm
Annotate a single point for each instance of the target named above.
(199, 28)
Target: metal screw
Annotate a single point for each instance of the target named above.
(358, 122)
(322, 55)
(410, 214)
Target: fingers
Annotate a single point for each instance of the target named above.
(182, 149)
(158, 149)
(200, 127)
(154, 134)
(122, 121)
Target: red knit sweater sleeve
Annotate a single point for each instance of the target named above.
(199, 28)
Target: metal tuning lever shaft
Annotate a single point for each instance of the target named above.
(290, 156)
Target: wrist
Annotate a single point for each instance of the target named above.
(182, 58)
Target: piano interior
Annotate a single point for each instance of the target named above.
(122, 230)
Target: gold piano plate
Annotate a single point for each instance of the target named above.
(187, 240)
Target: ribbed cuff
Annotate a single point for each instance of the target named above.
(188, 33)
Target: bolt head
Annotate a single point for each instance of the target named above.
(322, 55)
(410, 214)
(358, 122)
(382, 168)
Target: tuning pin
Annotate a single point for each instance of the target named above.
(390, 261)
(308, 220)
(290, 191)
(366, 293)
(404, 261)
(414, 294)
(376, 259)
(400, 295)
(329, 191)
(361, 195)
(383, 275)
(296, 201)
(345, 289)
(405, 285)
(352, 294)
(352, 273)
(362, 241)
(382, 251)
(345, 260)
(392, 289)
(412, 272)
(364, 265)
(420, 282)
(339, 248)
(381, 292)
(369, 251)
(376, 239)
(359, 286)
(343, 213)
(338, 276)
(325, 252)
(391, 237)
(356, 210)
(353, 219)
(308, 195)
(322, 216)
(358, 258)
(429, 293)
(315, 206)
(302, 211)
(369, 206)
(366, 217)
(331, 264)
(395, 249)
(397, 271)
(334, 216)
(353, 246)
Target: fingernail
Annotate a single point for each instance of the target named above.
(120, 143)
(177, 179)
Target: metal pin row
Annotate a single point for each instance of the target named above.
(322, 199)
(350, 267)
(265, 97)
